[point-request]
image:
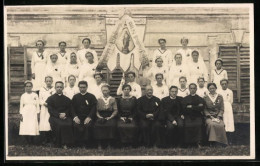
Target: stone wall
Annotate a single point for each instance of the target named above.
(206, 28)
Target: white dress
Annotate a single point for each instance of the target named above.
(217, 76)
(136, 90)
(197, 70)
(160, 92)
(183, 92)
(87, 72)
(29, 108)
(70, 92)
(155, 70)
(228, 117)
(186, 55)
(202, 92)
(71, 69)
(44, 114)
(38, 65)
(166, 56)
(96, 90)
(63, 58)
(82, 58)
(55, 71)
(177, 71)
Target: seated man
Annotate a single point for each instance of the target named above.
(148, 110)
(193, 107)
(84, 105)
(59, 107)
(172, 108)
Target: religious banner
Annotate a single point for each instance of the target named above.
(125, 41)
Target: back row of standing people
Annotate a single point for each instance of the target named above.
(82, 64)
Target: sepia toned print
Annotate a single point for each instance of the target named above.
(129, 82)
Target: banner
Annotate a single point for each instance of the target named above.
(124, 40)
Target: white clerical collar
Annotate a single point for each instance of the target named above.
(193, 94)
(84, 93)
(59, 94)
(172, 97)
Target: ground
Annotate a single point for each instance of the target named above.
(236, 150)
(240, 147)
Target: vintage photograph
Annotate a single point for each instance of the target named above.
(124, 82)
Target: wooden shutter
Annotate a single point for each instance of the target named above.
(245, 74)
(236, 62)
(17, 73)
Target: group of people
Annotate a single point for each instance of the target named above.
(72, 103)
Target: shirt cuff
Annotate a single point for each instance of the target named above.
(74, 118)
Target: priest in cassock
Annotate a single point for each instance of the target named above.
(59, 107)
(84, 110)
(148, 111)
(171, 107)
(193, 107)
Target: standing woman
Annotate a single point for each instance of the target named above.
(158, 68)
(215, 127)
(63, 55)
(228, 116)
(29, 110)
(87, 70)
(105, 126)
(44, 125)
(177, 70)
(164, 53)
(72, 68)
(54, 69)
(127, 127)
(185, 51)
(82, 53)
(96, 88)
(218, 74)
(38, 65)
(197, 68)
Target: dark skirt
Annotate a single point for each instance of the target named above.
(127, 131)
(105, 129)
(216, 131)
(193, 129)
(83, 132)
(62, 130)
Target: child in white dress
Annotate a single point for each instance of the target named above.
(228, 117)
(183, 91)
(44, 125)
(29, 111)
(71, 89)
